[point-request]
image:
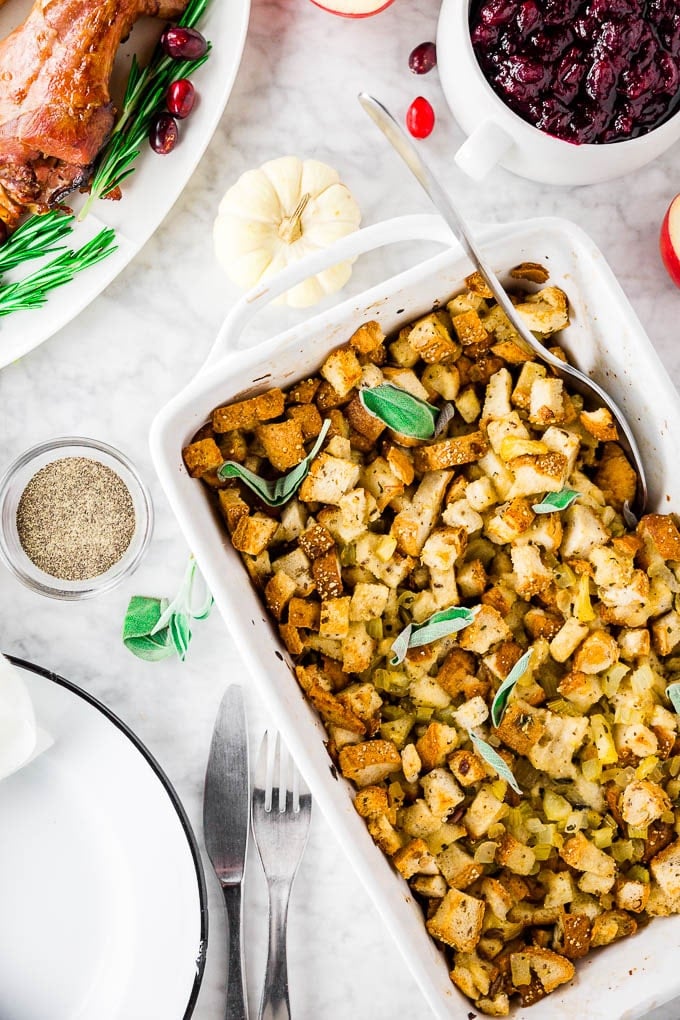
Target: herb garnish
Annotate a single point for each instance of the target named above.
(556, 501)
(35, 238)
(447, 413)
(155, 629)
(400, 410)
(278, 492)
(143, 98)
(494, 760)
(500, 701)
(439, 625)
(32, 291)
(673, 692)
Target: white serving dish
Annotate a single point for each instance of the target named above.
(604, 338)
(498, 135)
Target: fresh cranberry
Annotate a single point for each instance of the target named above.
(420, 118)
(669, 74)
(180, 98)
(484, 37)
(558, 12)
(183, 43)
(529, 18)
(549, 45)
(497, 12)
(554, 118)
(163, 134)
(569, 76)
(601, 81)
(423, 58)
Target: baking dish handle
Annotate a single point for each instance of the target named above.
(401, 228)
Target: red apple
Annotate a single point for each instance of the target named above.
(354, 8)
(669, 242)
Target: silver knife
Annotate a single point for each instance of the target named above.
(226, 814)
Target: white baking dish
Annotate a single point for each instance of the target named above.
(605, 338)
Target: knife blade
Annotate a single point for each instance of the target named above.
(226, 817)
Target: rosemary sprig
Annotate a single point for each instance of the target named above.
(35, 238)
(32, 291)
(144, 94)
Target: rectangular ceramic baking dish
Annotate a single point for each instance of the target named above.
(605, 338)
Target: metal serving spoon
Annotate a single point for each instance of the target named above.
(580, 382)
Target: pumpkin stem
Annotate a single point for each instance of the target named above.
(290, 228)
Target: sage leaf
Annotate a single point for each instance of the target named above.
(494, 759)
(629, 518)
(400, 410)
(446, 414)
(180, 633)
(140, 620)
(439, 625)
(673, 692)
(556, 501)
(152, 649)
(278, 492)
(500, 701)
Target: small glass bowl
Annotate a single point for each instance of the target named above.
(12, 485)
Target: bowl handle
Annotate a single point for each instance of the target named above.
(401, 228)
(485, 147)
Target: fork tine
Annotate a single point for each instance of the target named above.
(279, 775)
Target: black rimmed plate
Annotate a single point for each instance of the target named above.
(103, 909)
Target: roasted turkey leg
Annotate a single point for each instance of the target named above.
(55, 109)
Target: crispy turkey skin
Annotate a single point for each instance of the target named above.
(55, 109)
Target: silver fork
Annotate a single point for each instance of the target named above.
(281, 812)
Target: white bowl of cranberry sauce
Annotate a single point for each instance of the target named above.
(561, 91)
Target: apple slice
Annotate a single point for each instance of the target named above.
(354, 8)
(669, 242)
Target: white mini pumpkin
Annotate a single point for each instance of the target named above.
(276, 215)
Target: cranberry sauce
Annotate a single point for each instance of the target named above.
(582, 70)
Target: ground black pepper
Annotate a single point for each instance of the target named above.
(75, 518)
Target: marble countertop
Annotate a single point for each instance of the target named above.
(107, 374)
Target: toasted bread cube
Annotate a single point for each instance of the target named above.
(665, 868)
(560, 440)
(201, 457)
(635, 739)
(611, 565)
(334, 620)
(561, 738)
(567, 639)
(327, 575)
(278, 593)
(410, 763)
(436, 743)
(481, 494)
(514, 856)
(380, 480)
(369, 762)
(551, 969)
(610, 926)
(233, 508)
(598, 652)
(546, 402)
(471, 579)
(467, 767)
(582, 689)
(247, 414)
(316, 541)
(458, 867)
(409, 381)
(477, 285)
(487, 629)
(412, 525)
(254, 534)
(642, 802)
(458, 921)
(600, 424)
(432, 886)
(485, 811)
(329, 707)
(342, 370)
(362, 421)
(401, 351)
(521, 395)
(415, 859)
(468, 405)
(368, 601)
(364, 701)
(472, 713)
(470, 329)
(662, 531)
(634, 643)
(532, 271)
(442, 379)
(308, 418)
(450, 452)
(531, 576)
(459, 514)
(304, 613)
(545, 312)
(442, 792)
(296, 564)
(432, 340)
(373, 801)
(444, 548)
(521, 727)
(328, 480)
(632, 895)
(367, 338)
(291, 638)
(534, 474)
(385, 835)
(580, 854)
(358, 648)
(510, 521)
(497, 396)
(583, 531)
(303, 392)
(282, 443)
(615, 477)
(418, 820)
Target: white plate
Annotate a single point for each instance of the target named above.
(103, 907)
(155, 185)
